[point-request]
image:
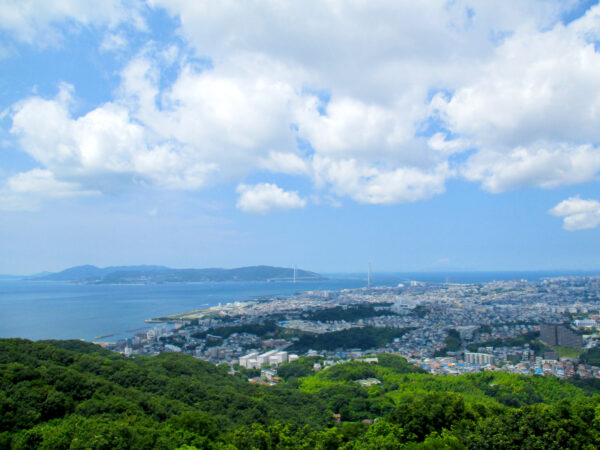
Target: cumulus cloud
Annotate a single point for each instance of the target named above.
(265, 198)
(377, 49)
(543, 165)
(578, 214)
(353, 128)
(533, 111)
(334, 91)
(289, 163)
(537, 86)
(24, 191)
(38, 181)
(440, 142)
(37, 21)
(216, 125)
(380, 186)
(105, 141)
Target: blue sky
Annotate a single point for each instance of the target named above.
(417, 135)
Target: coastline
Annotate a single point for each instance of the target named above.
(60, 310)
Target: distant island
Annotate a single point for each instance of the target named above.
(88, 274)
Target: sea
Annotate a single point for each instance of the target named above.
(39, 310)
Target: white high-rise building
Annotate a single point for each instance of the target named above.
(256, 361)
(278, 358)
(479, 358)
(245, 360)
(264, 358)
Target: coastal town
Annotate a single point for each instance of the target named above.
(547, 327)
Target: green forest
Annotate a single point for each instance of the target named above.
(72, 394)
(350, 313)
(363, 337)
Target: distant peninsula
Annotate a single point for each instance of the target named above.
(160, 274)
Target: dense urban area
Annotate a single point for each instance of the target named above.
(546, 327)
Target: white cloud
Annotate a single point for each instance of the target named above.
(232, 122)
(37, 21)
(39, 181)
(355, 129)
(577, 213)
(265, 198)
(105, 141)
(23, 191)
(518, 89)
(113, 42)
(533, 111)
(538, 86)
(218, 125)
(289, 163)
(367, 184)
(543, 165)
(523, 87)
(359, 48)
(440, 142)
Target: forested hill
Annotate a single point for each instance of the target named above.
(160, 274)
(70, 394)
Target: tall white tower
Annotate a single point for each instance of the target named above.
(294, 273)
(369, 275)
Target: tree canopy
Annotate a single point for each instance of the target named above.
(71, 394)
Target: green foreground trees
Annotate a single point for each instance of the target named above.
(69, 394)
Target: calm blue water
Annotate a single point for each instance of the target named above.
(51, 310)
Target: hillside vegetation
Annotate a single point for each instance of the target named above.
(70, 394)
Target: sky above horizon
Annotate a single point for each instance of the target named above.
(418, 135)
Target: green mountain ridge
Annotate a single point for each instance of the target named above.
(160, 274)
(72, 394)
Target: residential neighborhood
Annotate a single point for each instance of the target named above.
(526, 327)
